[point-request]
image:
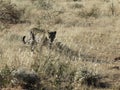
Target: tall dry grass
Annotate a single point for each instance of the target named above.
(90, 28)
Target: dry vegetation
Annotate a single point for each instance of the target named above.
(86, 53)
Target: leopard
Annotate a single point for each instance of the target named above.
(38, 38)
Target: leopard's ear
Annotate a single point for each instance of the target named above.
(23, 39)
(52, 35)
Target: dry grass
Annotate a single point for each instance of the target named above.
(90, 28)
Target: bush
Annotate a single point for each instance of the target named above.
(25, 78)
(93, 12)
(3, 26)
(112, 9)
(77, 5)
(56, 74)
(74, 0)
(43, 4)
(19, 77)
(9, 13)
(86, 77)
(5, 76)
(77, 0)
